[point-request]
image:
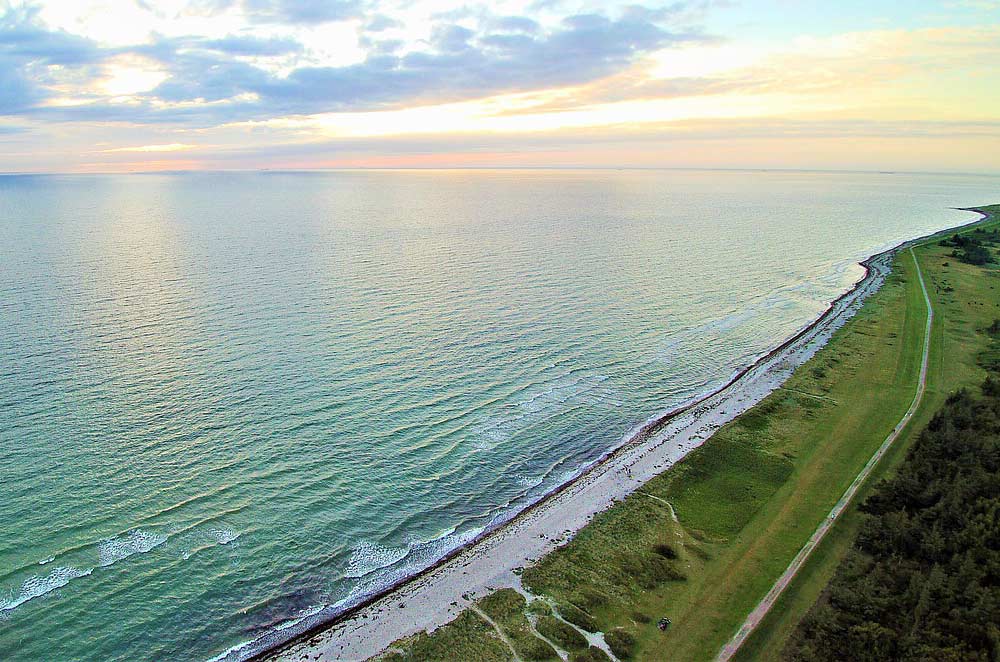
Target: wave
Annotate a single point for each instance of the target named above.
(37, 586)
(224, 536)
(137, 541)
(109, 552)
(367, 557)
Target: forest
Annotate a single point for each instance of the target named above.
(923, 579)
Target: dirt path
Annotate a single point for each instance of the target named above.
(757, 615)
(496, 628)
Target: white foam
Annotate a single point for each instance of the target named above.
(136, 541)
(224, 536)
(38, 586)
(48, 560)
(367, 557)
(525, 481)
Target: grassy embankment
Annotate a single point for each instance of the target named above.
(747, 500)
(965, 300)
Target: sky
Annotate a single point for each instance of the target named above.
(151, 85)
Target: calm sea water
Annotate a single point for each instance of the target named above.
(228, 399)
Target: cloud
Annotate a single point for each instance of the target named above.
(27, 50)
(381, 22)
(224, 77)
(301, 11)
(460, 64)
(170, 147)
(253, 46)
(22, 37)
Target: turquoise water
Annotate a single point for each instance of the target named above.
(230, 399)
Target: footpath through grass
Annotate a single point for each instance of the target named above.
(747, 500)
(966, 300)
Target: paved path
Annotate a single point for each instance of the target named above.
(757, 615)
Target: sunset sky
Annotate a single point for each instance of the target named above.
(132, 85)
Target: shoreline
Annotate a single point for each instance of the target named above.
(435, 595)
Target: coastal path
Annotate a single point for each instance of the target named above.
(761, 610)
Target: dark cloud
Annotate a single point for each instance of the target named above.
(207, 77)
(23, 38)
(17, 93)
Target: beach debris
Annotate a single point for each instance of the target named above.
(663, 624)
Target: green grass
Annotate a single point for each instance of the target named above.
(471, 637)
(507, 609)
(564, 636)
(749, 498)
(468, 637)
(965, 301)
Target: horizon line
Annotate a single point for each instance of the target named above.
(881, 171)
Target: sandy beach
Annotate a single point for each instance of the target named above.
(438, 595)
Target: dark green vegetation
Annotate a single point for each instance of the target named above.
(563, 635)
(923, 579)
(747, 500)
(963, 351)
(974, 247)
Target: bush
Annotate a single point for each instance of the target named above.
(621, 642)
(566, 636)
(536, 650)
(977, 255)
(666, 551)
(589, 598)
(578, 617)
(640, 617)
(539, 608)
(592, 654)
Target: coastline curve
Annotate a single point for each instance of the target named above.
(433, 596)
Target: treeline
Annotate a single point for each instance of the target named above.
(923, 579)
(973, 247)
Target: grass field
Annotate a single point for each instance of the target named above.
(747, 500)
(965, 300)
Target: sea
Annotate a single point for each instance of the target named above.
(228, 400)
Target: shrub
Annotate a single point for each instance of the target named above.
(536, 649)
(592, 654)
(666, 551)
(565, 635)
(578, 617)
(621, 642)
